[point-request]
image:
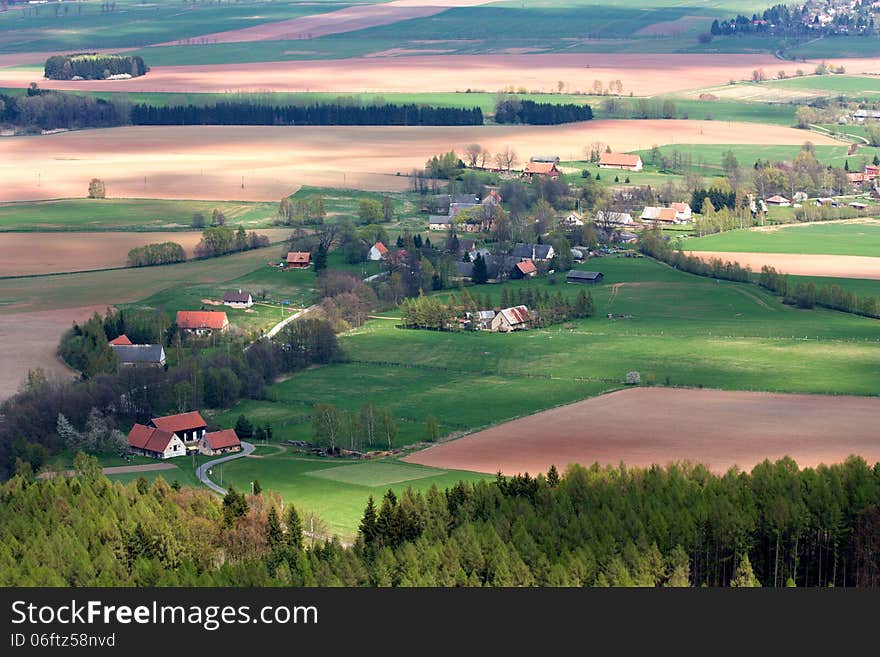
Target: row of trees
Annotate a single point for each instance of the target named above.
(808, 295)
(514, 110)
(220, 240)
(651, 242)
(46, 110)
(258, 113)
(91, 66)
(162, 253)
(370, 427)
(677, 526)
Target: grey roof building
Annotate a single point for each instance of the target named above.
(575, 276)
(143, 355)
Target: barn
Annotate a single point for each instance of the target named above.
(584, 277)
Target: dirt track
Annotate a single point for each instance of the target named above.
(640, 74)
(211, 162)
(645, 426)
(802, 265)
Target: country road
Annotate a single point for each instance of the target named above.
(202, 470)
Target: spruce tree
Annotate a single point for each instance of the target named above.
(274, 535)
(294, 534)
(553, 476)
(368, 524)
(243, 428)
(745, 576)
(320, 260)
(480, 274)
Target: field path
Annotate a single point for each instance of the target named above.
(835, 266)
(645, 426)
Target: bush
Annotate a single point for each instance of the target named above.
(633, 378)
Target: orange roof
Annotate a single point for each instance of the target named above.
(619, 160)
(179, 422)
(855, 177)
(545, 168)
(680, 207)
(149, 438)
(666, 214)
(516, 315)
(201, 319)
(381, 248)
(526, 267)
(122, 339)
(298, 257)
(223, 439)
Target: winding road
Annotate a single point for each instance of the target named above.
(202, 470)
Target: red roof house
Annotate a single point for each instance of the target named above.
(154, 442)
(299, 259)
(201, 321)
(526, 269)
(219, 442)
(190, 427)
(620, 161)
(541, 169)
(122, 339)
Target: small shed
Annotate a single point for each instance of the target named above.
(584, 277)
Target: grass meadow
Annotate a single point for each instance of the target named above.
(856, 238)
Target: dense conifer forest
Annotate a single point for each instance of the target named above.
(679, 526)
(92, 66)
(528, 111)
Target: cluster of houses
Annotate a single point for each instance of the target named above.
(507, 320)
(179, 435)
(466, 212)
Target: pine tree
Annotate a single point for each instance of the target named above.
(320, 260)
(745, 576)
(553, 476)
(368, 523)
(256, 487)
(274, 535)
(294, 534)
(480, 274)
(876, 160)
(846, 166)
(243, 428)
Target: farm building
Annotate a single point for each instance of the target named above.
(658, 215)
(238, 299)
(620, 161)
(189, 427)
(511, 319)
(573, 220)
(615, 218)
(548, 169)
(219, 442)
(201, 322)
(682, 211)
(299, 260)
(120, 340)
(524, 269)
(872, 172)
(439, 222)
(139, 355)
(584, 277)
(533, 252)
(482, 319)
(378, 251)
(492, 198)
(154, 443)
(781, 201)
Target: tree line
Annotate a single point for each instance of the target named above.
(514, 110)
(678, 526)
(220, 240)
(257, 113)
(49, 110)
(808, 295)
(161, 253)
(92, 66)
(651, 242)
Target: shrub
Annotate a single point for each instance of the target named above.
(633, 378)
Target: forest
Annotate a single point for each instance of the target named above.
(514, 110)
(251, 113)
(678, 526)
(92, 66)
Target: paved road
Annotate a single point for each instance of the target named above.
(202, 470)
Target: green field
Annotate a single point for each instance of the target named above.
(823, 238)
(837, 46)
(83, 25)
(849, 84)
(706, 158)
(127, 214)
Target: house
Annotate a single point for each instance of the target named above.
(464, 269)
(541, 169)
(219, 442)
(858, 206)
(155, 443)
(856, 179)
(299, 260)
(189, 427)
(378, 251)
(616, 218)
(625, 237)
(480, 320)
(778, 200)
(533, 252)
(658, 215)
(524, 269)
(238, 299)
(201, 322)
(584, 277)
(872, 172)
(139, 355)
(436, 222)
(861, 115)
(122, 339)
(682, 211)
(492, 198)
(573, 220)
(620, 161)
(511, 319)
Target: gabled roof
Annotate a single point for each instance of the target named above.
(201, 319)
(666, 214)
(654, 213)
(465, 269)
(381, 248)
(777, 199)
(852, 177)
(122, 339)
(299, 257)
(237, 296)
(149, 438)
(464, 199)
(493, 197)
(540, 251)
(139, 353)
(440, 219)
(680, 207)
(222, 439)
(542, 168)
(180, 422)
(584, 275)
(619, 160)
(516, 315)
(526, 267)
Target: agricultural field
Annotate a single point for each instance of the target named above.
(129, 214)
(706, 158)
(849, 237)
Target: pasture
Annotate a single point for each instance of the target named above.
(706, 158)
(802, 265)
(849, 237)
